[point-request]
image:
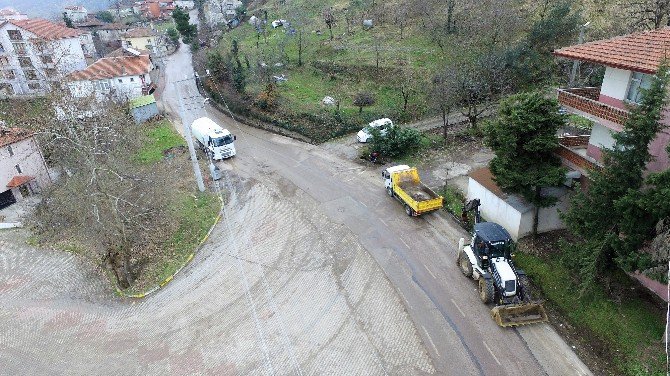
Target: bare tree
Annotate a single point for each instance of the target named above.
(329, 19)
(647, 14)
(363, 99)
(443, 96)
(402, 13)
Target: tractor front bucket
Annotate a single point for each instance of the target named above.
(519, 314)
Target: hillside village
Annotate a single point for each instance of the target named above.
(198, 182)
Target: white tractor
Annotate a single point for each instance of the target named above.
(488, 260)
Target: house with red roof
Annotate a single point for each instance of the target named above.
(630, 62)
(76, 13)
(35, 54)
(23, 171)
(120, 78)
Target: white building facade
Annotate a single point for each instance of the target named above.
(36, 54)
(119, 78)
(76, 13)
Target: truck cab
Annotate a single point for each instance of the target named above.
(221, 144)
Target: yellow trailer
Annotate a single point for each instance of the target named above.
(403, 183)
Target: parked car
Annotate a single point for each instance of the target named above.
(383, 125)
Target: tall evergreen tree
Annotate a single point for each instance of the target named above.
(523, 139)
(609, 225)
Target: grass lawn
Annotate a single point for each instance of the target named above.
(162, 136)
(631, 330)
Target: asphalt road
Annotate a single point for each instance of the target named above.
(417, 255)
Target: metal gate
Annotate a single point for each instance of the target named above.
(6, 199)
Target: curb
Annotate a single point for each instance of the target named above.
(188, 261)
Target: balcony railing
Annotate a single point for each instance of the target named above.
(569, 151)
(586, 100)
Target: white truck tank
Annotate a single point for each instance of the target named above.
(213, 139)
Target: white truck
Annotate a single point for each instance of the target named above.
(213, 139)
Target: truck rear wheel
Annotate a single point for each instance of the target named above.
(409, 210)
(486, 291)
(389, 190)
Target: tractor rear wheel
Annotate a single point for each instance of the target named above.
(524, 284)
(464, 264)
(409, 210)
(486, 291)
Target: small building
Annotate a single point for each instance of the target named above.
(8, 13)
(630, 62)
(140, 38)
(119, 78)
(143, 108)
(23, 171)
(76, 13)
(112, 31)
(185, 4)
(512, 212)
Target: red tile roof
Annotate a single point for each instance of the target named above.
(19, 180)
(110, 67)
(13, 135)
(46, 29)
(639, 52)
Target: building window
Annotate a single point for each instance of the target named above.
(4, 60)
(9, 74)
(2, 49)
(132, 79)
(50, 72)
(19, 48)
(102, 85)
(40, 45)
(18, 169)
(6, 89)
(30, 74)
(638, 82)
(25, 62)
(14, 35)
(120, 80)
(46, 59)
(9, 149)
(34, 86)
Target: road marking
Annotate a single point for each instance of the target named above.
(363, 204)
(405, 298)
(458, 308)
(431, 273)
(492, 354)
(384, 222)
(403, 242)
(431, 341)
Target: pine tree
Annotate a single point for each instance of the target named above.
(524, 139)
(610, 226)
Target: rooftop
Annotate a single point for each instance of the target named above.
(138, 33)
(10, 136)
(111, 67)
(638, 52)
(114, 26)
(46, 29)
(77, 8)
(19, 180)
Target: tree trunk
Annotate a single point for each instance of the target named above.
(536, 216)
(445, 123)
(330, 29)
(300, 48)
(360, 109)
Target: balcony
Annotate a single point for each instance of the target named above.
(586, 100)
(572, 151)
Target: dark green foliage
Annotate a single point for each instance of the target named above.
(229, 67)
(68, 21)
(105, 16)
(523, 139)
(188, 32)
(530, 61)
(173, 34)
(617, 214)
(396, 142)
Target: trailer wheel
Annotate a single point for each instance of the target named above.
(409, 210)
(486, 290)
(464, 263)
(389, 190)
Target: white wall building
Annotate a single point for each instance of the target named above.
(22, 168)
(11, 14)
(119, 78)
(185, 4)
(76, 13)
(35, 54)
(512, 212)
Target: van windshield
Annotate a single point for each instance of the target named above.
(221, 141)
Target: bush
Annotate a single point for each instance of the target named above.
(396, 142)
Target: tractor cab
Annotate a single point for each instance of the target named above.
(491, 241)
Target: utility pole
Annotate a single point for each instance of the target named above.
(575, 64)
(189, 137)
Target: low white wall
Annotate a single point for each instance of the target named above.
(494, 209)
